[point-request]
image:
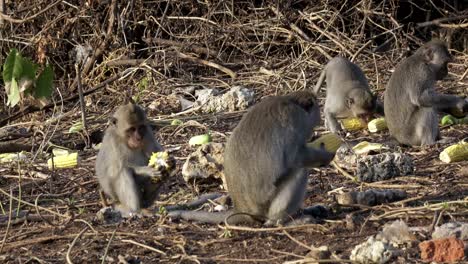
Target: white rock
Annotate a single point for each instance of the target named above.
(373, 251)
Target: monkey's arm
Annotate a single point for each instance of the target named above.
(331, 122)
(429, 98)
(127, 191)
(312, 157)
(379, 108)
(146, 171)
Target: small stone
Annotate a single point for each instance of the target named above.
(452, 229)
(396, 232)
(353, 221)
(442, 250)
(205, 95)
(319, 253)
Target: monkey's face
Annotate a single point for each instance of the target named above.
(130, 123)
(440, 68)
(438, 60)
(135, 135)
(363, 107)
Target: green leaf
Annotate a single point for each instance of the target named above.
(14, 95)
(75, 128)
(44, 83)
(13, 66)
(143, 84)
(29, 69)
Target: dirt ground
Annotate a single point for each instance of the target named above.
(267, 55)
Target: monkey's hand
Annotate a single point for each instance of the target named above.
(341, 133)
(162, 161)
(147, 171)
(314, 157)
(327, 156)
(462, 105)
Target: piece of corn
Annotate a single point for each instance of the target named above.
(200, 139)
(176, 122)
(332, 142)
(75, 128)
(376, 125)
(353, 124)
(454, 153)
(59, 152)
(9, 157)
(365, 147)
(159, 159)
(63, 161)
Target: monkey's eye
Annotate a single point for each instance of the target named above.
(131, 129)
(141, 129)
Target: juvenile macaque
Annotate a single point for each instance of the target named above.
(121, 164)
(411, 103)
(265, 162)
(348, 93)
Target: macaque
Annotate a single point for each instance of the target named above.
(122, 162)
(348, 94)
(265, 163)
(411, 102)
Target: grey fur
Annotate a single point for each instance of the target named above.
(411, 102)
(265, 161)
(122, 172)
(348, 93)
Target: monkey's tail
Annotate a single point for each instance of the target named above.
(230, 216)
(200, 216)
(319, 82)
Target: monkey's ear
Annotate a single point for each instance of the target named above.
(428, 54)
(129, 100)
(349, 101)
(113, 121)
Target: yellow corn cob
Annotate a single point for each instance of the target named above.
(332, 142)
(376, 125)
(454, 153)
(159, 159)
(9, 157)
(64, 161)
(353, 124)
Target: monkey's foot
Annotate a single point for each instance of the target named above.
(446, 140)
(109, 216)
(302, 220)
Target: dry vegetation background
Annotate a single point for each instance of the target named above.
(272, 47)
